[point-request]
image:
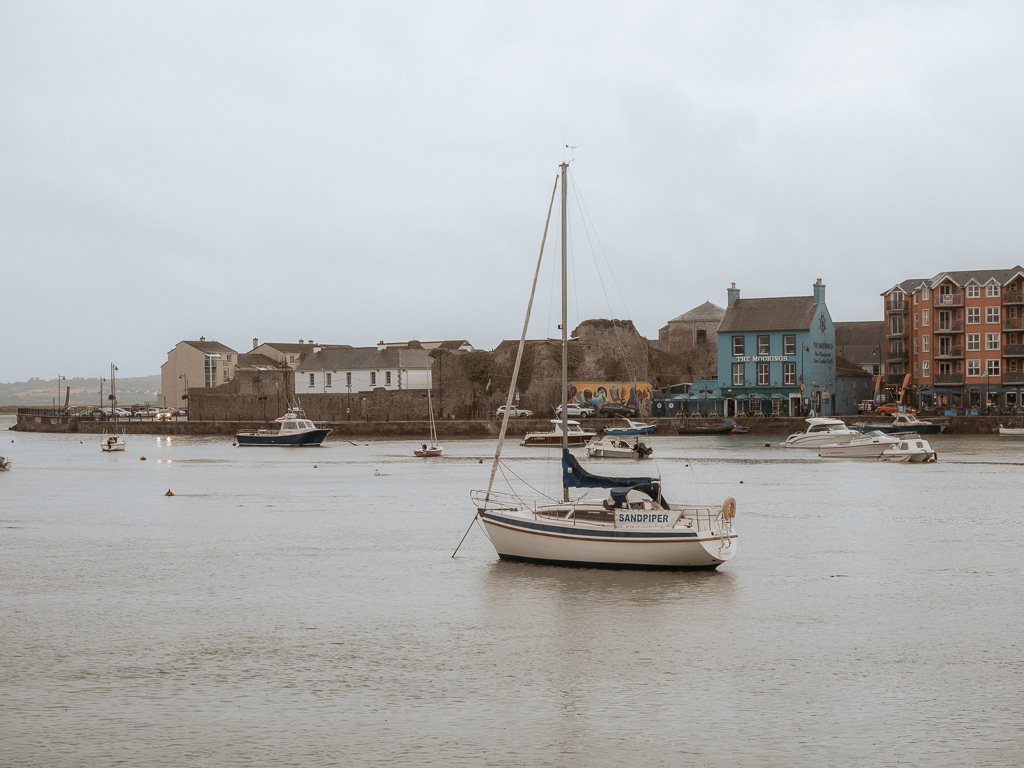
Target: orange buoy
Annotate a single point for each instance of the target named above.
(169, 492)
(142, 458)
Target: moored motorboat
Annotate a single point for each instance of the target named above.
(615, 447)
(904, 422)
(868, 446)
(576, 434)
(821, 431)
(1011, 431)
(910, 449)
(5, 464)
(295, 430)
(110, 443)
(631, 428)
(725, 427)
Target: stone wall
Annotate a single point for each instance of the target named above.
(613, 350)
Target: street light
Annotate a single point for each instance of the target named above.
(59, 379)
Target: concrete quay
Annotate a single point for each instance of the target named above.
(447, 429)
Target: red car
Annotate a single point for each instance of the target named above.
(890, 408)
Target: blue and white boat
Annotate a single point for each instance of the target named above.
(632, 428)
(632, 527)
(295, 429)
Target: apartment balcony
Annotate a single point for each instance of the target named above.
(1013, 323)
(896, 335)
(1013, 378)
(949, 378)
(1013, 350)
(896, 307)
(897, 358)
(1013, 297)
(954, 326)
(948, 300)
(949, 353)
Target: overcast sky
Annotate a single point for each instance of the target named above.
(350, 172)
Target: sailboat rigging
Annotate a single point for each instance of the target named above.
(634, 527)
(433, 449)
(115, 441)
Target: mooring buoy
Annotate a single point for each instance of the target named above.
(142, 458)
(169, 492)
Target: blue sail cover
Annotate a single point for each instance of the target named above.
(575, 476)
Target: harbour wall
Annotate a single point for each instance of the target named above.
(447, 428)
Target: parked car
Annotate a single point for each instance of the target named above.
(618, 409)
(122, 413)
(575, 411)
(890, 408)
(514, 413)
(145, 413)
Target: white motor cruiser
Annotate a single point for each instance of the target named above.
(868, 446)
(612, 447)
(909, 450)
(821, 431)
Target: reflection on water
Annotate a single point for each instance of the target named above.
(273, 612)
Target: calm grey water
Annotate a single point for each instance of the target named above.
(273, 613)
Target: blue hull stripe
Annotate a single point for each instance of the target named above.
(611, 533)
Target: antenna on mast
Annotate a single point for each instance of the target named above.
(571, 147)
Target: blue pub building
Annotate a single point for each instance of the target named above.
(777, 356)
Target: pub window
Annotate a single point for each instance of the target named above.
(737, 345)
(763, 379)
(789, 373)
(789, 345)
(737, 374)
(763, 345)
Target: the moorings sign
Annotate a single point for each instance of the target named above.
(763, 359)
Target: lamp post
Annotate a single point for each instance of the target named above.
(59, 379)
(101, 392)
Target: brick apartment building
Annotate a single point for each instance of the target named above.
(960, 338)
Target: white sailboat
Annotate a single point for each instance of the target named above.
(114, 441)
(433, 449)
(632, 527)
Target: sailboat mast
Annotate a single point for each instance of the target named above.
(113, 398)
(565, 324)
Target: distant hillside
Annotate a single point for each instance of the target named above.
(130, 391)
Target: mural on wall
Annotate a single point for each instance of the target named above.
(594, 394)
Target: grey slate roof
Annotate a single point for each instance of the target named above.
(705, 313)
(981, 276)
(908, 286)
(863, 333)
(364, 359)
(210, 347)
(294, 348)
(250, 360)
(786, 313)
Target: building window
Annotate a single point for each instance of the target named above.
(789, 374)
(789, 345)
(924, 342)
(973, 342)
(702, 336)
(924, 295)
(993, 367)
(924, 318)
(763, 379)
(915, 299)
(945, 369)
(991, 341)
(992, 290)
(915, 321)
(373, 378)
(973, 291)
(925, 369)
(992, 315)
(387, 378)
(227, 358)
(737, 345)
(312, 379)
(915, 370)
(763, 345)
(974, 367)
(327, 379)
(737, 374)
(973, 315)
(348, 379)
(210, 371)
(915, 346)
(224, 377)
